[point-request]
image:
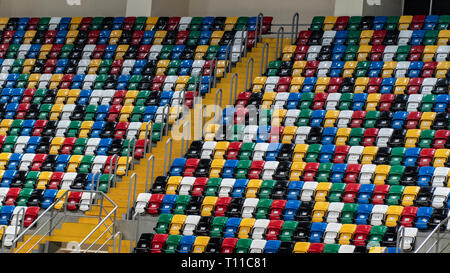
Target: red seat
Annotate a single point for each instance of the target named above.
(357, 119)
(98, 51)
(440, 138)
(276, 209)
(408, 216)
(73, 200)
(376, 54)
(173, 23)
(303, 37)
(55, 180)
(283, 84)
(335, 84)
(379, 194)
(361, 234)
(233, 150)
(154, 203)
(30, 215)
(310, 170)
(68, 145)
(221, 206)
(110, 161)
(415, 53)
(428, 69)
(128, 23)
(37, 162)
(256, 169)
(121, 129)
(198, 186)
(228, 245)
(350, 193)
(158, 243)
(316, 248)
(412, 120)
(385, 102)
(300, 52)
(93, 36)
(340, 154)
(273, 229)
(275, 133)
(341, 23)
(370, 135)
(114, 112)
(119, 96)
(11, 197)
(319, 101)
(378, 37)
(22, 110)
(190, 166)
(352, 173)
(243, 98)
(426, 157)
(417, 22)
(374, 85)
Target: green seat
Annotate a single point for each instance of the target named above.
(306, 99)
(242, 168)
(313, 152)
(39, 96)
(139, 23)
(262, 209)
(96, 23)
(9, 144)
(65, 51)
(191, 83)
(353, 38)
(361, 68)
(212, 186)
(31, 179)
(331, 248)
(346, 101)
(125, 144)
(336, 191)
(443, 22)
(193, 37)
(272, 70)
(162, 227)
(141, 97)
(355, 136)
(395, 175)
(317, 23)
(392, 22)
(43, 23)
(238, 131)
(100, 81)
(246, 150)
(397, 155)
(265, 116)
(158, 129)
(426, 138)
(165, 53)
(86, 163)
(12, 51)
(324, 171)
(287, 230)
(376, 235)
(22, 81)
(103, 185)
(181, 203)
(172, 243)
(17, 66)
(430, 37)
(23, 197)
(74, 128)
(265, 191)
(304, 117)
(354, 22)
(80, 145)
(402, 53)
(351, 52)
(133, 83)
(211, 53)
(217, 226)
(427, 103)
(241, 23)
(371, 119)
(104, 67)
(137, 113)
(394, 195)
(16, 127)
(196, 23)
(348, 213)
(243, 245)
(172, 69)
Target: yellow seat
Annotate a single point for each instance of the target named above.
(400, 85)
(55, 81)
(253, 188)
(428, 53)
(443, 37)
(159, 37)
(122, 165)
(342, 135)
(125, 113)
(174, 113)
(278, 116)
(321, 84)
(176, 224)
(114, 36)
(381, 173)
(208, 205)
(377, 249)
(388, 69)
(426, 120)
(28, 36)
(59, 205)
(409, 195)
(442, 69)
(301, 247)
(330, 118)
(319, 211)
(28, 64)
(74, 163)
(61, 96)
(4, 126)
(200, 244)
(172, 184)
(346, 234)
(297, 168)
(33, 80)
(322, 190)
(45, 49)
(4, 158)
(440, 157)
(366, 36)
(412, 135)
(328, 22)
(221, 147)
(75, 22)
(288, 52)
(298, 67)
(349, 68)
(300, 152)
(296, 84)
(393, 214)
(85, 128)
(230, 22)
(216, 36)
(245, 227)
(288, 134)
(71, 36)
(210, 131)
(372, 101)
(43, 179)
(151, 22)
(3, 22)
(361, 84)
(216, 167)
(181, 82)
(56, 111)
(120, 51)
(56, 145)
(368, 154)
(404, 22)
(363, 52)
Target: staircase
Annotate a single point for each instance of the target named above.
(76, 232)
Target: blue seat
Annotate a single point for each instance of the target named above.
(294, 189)
(122, 82)
(228, 115)
(8, 178)
(16, 95)
(61, 66)
(5, 95)
(336, 67)
(149, 113)
(328, 135)
(263, 133)
(204, 37)
(11, 109)
(292, 101)
(239, 187)
(166, 97)
(399, 119)
(64, 23)
(326, 153)
(272, 151)
(60, 37)
(177, 166)
(415, 69)
(22, 23)
(117, 23)
(424, 176)
(139, 66)
(77, 82)
(207, 23)
(430, 22)
(103, 37)
(18, 37)
(363, 213)
(375, 69)
(417, 37)
(27, 127)
(34, 50)
(61, 163)
(231, 227)
(229, 167)
(308, 84)
(185, 67)
(49, 197)
(222, 53)
(272, 246)
(110, 51)
(92, 180)
(14, 161)
(423, 217)
(340, 37)
(441, 103)
(33, 142)
(148, 36)
(205, 85)
(365, 193)
(338, 172)
(84, 96)
(97, 129)
(168, 203)
(386, 85)
(317, 231)
(378, 22)
(102, 112)
(317, 118)
(359, 101)
(103, 146)
(186, 243)
(411, 156)
(290, 210)
(5, 214)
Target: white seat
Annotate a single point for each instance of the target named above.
(404, 37)
(367, 173)
(208, 149)
(269, 169)
(184, 23)
(67, 180)
(346, 249)
(67, 111)
(257, 246)
(3, 193)
(190, 224)
(17, 215)
(26, 161)
(86, 199)
(91, 146)
(328, 37)
(308, 191)
(344, 118)
(414, 101)
(331, 233)
(440, 176)
(291, 116)
(377, 215)
(442, 53)
(186, 185)
(260, 150)
(99, 163)
(249, 207)
(389, 52)
(383, 136)
(226, 186)
(323, 68)
(440, 196)
(401, 69)
(53, 23)
(107, 96)
(142, 201)
(313, 52)
(133, 129)
(408, 240)
(21, 144)
(354, 154)
(334, 212)
(332, 101)
(428, 85)
(10, 233)
(259, 228)
(301, 134)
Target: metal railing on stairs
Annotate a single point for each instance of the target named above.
(433, 242)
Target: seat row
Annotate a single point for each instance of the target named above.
(134, 23)
(163, 243)
(380, 22)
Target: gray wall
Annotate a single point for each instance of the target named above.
(387, 8)
(59, 8)
(170, 8)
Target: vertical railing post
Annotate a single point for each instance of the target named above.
(146, 136)
(279, 50)
(169, 140)
(294, 26)
(264, 58)
(247, 81)
(133, 176)
(234, 80)
(150, 159)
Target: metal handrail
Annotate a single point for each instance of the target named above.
(279, 51)
(133, 176)
(169, 140)
(112, 178)
(234, 80)
(146, 136)
(20, 214)
(211, 74)
(294, 23)
(400, 235)
(259, 24)
(227, 58)
(186, 137)
(129, 146)
(216, 115)
(436, 231)
(118, 234)
(152, 159)
(252, 62)
(265, 53)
